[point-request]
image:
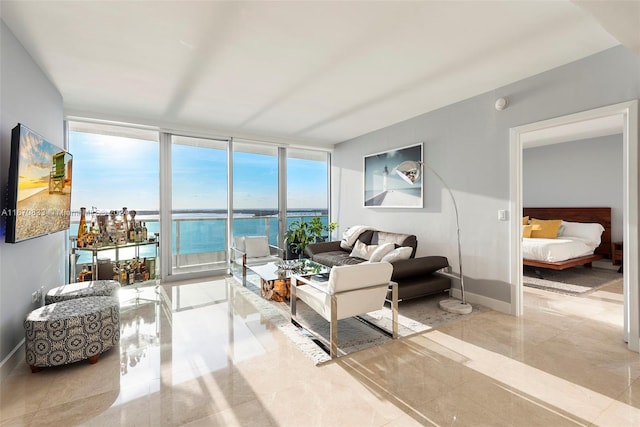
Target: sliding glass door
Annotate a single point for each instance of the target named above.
(307, 185)
(255, 190)
(198, 204)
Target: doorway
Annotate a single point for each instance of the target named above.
(627, 112)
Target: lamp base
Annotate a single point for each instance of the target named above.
(455, 306)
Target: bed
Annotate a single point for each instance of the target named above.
(567, 252)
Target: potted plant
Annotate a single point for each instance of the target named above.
(301, 233)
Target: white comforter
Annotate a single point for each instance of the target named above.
(555, 250)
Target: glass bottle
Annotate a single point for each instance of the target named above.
(125, 222)
(138, 232)
(112, 227)
(143, 270)
(123, 274)
(145, 232)
(82, 227)
(132, 226)
(131, 234)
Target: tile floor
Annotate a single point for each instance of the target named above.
(207, 358)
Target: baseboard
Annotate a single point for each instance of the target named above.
(494, 304)
(11, 361)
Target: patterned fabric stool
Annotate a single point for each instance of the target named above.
(82, 289)
(72, 330)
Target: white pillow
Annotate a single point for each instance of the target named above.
(403, 252)
(590, 231)
(381, 251)
(256, 246)
(362, 250)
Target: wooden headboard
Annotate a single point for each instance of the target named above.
(599, 215)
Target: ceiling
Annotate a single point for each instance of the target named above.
(314, 73)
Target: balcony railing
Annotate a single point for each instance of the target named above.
(200, 242)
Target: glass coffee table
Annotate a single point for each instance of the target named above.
(275, 277)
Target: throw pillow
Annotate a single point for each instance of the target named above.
(548, 228)
(381, 251)
(256, 246)
(361, 250)
(525, 220)
(527, 230)
(403, 252)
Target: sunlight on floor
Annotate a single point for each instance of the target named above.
(557, 392)
(199, 352)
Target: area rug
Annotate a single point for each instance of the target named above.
(414, 316)
(572, 281)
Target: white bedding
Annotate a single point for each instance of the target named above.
(555, 250)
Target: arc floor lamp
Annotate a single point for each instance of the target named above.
(409, 171)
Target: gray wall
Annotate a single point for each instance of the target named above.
(577, 173)
(468, 144)
(27, 96)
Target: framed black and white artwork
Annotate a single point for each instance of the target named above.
(393, 179)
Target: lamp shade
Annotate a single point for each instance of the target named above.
(409, 171)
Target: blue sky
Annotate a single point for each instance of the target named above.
(111, 172)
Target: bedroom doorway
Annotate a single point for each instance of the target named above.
(627, 114)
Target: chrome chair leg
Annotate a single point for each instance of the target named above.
(333, 327)
(394, 309)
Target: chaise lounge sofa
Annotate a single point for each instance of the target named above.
(416, 277)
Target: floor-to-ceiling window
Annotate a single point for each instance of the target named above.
(307, 185)
(114, 167)
(199, 204)
(255, 190)
(118, 166)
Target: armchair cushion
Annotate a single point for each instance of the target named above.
(251, 251)
(239, 243)
(353, 286)
(256, 246)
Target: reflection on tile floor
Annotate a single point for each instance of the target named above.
(202, 355)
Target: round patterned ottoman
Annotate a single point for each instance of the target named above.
(82, 289)
(72, 330)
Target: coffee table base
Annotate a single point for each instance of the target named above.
(276, 290)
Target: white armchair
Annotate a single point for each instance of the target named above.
(253, 250)
(351, 290)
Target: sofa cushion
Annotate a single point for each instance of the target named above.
(418, 286)
(380, 237)
(332, 258)
(385, 237)
(418, 267)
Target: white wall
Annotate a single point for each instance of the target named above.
(577, 173)
(468, 144)
(27, 97)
